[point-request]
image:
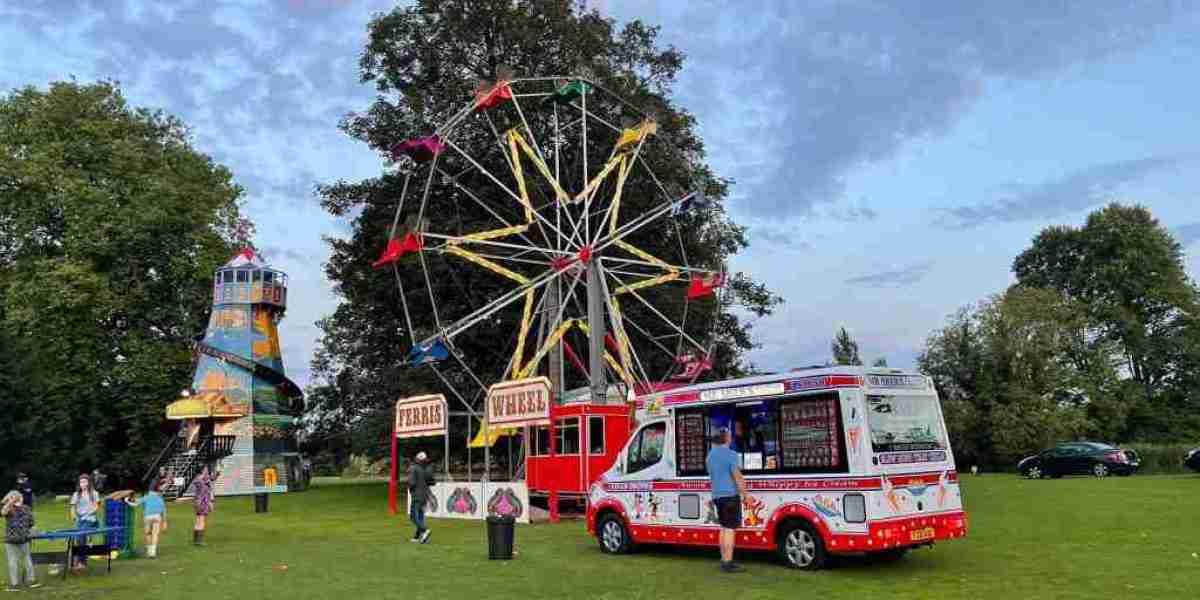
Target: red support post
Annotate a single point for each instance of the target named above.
(392, 483)
(553, 501)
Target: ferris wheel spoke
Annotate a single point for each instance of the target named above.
(629, 261)
(492, 307)
(629, 357)
(667, 320)
(494, 214)
(639, 223)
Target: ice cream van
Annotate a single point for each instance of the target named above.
(840, 460)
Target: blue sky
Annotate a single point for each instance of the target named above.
(890, 158)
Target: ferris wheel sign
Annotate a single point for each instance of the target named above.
(521, 402)
(421, 416)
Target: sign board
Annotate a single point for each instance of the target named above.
(520, 402)
(898, 381)
(747, 391)
(478, 500)
(421, 416)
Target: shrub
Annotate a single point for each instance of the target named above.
(360, 467)
(1161, 458)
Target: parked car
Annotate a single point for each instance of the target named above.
(1080, 458)
(1193, 459)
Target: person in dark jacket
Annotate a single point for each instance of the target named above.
(420, 477)
(18, 527)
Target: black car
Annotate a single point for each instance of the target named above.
(1193, 459)
(1079, 458)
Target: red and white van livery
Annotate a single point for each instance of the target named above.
(840, 460)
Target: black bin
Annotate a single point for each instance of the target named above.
(260, 503)
(500, 537)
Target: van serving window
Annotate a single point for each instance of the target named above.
(792, 435)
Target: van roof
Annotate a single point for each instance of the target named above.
(795, 381)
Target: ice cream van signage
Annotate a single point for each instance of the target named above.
(421, 416)
(897, 381)
(521, 402)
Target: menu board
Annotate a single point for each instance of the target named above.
(810, 433)
(691, 445)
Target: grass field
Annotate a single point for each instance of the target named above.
(1135, 537)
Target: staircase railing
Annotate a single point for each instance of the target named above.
(167, 452)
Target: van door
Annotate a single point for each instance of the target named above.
(643, 465)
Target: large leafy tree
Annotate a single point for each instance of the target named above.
(1017, 373)
(425, 61)
(1127, 271)
(110, 227)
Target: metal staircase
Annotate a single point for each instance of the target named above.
(176, 467)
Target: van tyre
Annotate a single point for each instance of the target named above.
(801, 547)
(613, 535)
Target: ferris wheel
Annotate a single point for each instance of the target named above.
(527, 206)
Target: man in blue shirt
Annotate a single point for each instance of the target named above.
(728, 488)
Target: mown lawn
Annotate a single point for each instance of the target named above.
(1136, 537)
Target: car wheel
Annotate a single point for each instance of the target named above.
(613, 536)
(801, 547)
(1034, 472)
(1100, 470)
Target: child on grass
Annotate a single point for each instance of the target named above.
(18, 520)
(154, 516)
(85, 512)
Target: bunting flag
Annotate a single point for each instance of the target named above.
(693, 366)
(432, 352)
(397, 248)
(420, 149)
(494, 96)
(704, 285)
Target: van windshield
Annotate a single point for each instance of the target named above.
(904, 423)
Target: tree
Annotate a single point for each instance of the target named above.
(1017, 373)
(1128, 273)
(425, 61)
(845, 349)
(110, 227)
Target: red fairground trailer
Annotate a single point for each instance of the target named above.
(567, 457)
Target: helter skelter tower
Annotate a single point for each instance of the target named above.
(240, 413)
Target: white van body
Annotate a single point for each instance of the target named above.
(837, 460)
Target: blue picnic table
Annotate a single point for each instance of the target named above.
(72, 537)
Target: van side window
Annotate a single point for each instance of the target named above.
(647, 447)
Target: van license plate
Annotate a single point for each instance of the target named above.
(920, 535)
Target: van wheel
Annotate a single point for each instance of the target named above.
(801, 547)
(613, 535)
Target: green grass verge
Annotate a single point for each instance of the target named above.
(1132, 538)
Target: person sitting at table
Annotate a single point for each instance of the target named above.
(85, 511)
(18, 521)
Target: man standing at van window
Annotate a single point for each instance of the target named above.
(728, 488)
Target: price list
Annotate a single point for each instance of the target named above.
(810, 434)
(691, 445)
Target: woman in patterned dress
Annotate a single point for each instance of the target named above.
(204, 503)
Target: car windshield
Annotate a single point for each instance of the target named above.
(903, 423)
